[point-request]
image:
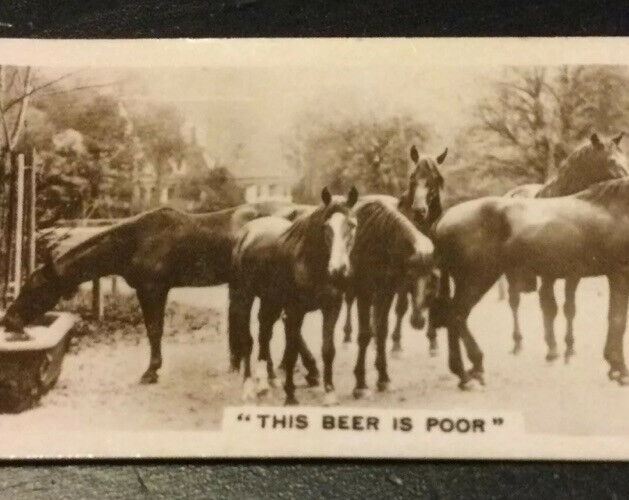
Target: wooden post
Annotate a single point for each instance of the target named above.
(19, 218)
(98, 304)
(32, 222)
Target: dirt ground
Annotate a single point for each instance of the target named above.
(99, 388)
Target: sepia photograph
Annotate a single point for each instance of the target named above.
(281, 248)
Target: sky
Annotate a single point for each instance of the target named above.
(258, 106)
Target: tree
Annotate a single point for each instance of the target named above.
(159, 128)
(535, 116)
(370, 153)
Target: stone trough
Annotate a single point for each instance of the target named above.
(30, 367)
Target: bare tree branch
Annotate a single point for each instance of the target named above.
(35, 89)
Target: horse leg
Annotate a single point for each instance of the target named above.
(241, 341)
(267, 316)
(347, 328)
(431, 335)
(382, 305)
(293, 322)
(514, 304)
(364, 337)
(153, 302)
(331, 311)
(309, 362)
(570, 310)
(401, 306)
(467, 295)
(617, 321)
(501, 289)
(549, 310)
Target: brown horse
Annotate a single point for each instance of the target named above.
(421, 204)
(585, 234)
(154, 252)
(592, 162)
(389, 255)
(295, 268)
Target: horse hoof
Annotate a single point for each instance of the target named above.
(623, 380)
(552, 356)
(467, 383)
(330, 399)
(476, 375)
(433, 352)
(613, 374)
(149, 378)
(248, 390)
(397, 353)
(362, 393)
(291, 401)
(383, 386)
(273, 383)
(262, 389)
(516, 349)
(312, 380)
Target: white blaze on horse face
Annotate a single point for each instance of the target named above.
(420, 198)
(341, 230)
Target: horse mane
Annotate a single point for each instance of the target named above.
(578, 171)
(302, 237)
(385, 228)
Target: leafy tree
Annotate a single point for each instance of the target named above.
(535, 116)
(372, 154)
(215, 189)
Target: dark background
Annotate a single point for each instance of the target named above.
(291, 479)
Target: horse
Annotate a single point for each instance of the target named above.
(390, 254)
(420, 203)
(579, 235)
(590, 163)
(296, 268)
(154, 252)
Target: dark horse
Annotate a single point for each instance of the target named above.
(421, 204)
(591, 163)
(389, 255)
(154, 252)
(580, 235)
(295, 268)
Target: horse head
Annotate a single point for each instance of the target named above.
(609, 157)
(425, 185)
(339, 229)
(40, 293)
(596, 160)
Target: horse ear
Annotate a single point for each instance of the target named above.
(352, 197)
(326, 197)
(616, 140)
(596, 142)
(442, 156)
(414, 154)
